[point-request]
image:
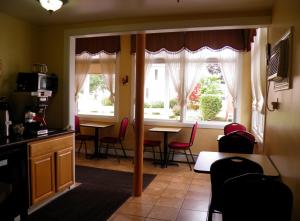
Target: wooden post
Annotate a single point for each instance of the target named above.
(139, 115)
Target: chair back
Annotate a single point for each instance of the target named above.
(236, 142)
(226, 168)
(123, 127)
(256, 197)
(233, 127)
(245, 134)
(193, 134)
(77, 125)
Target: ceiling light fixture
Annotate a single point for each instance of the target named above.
(52, 5)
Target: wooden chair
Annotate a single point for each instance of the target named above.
(181, 146)
(111, 142)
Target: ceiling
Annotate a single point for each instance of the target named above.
(78, 11)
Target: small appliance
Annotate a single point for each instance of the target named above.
(4, 118)
(35, 81)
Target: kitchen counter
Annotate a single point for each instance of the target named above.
(19, 140)
(17, 153)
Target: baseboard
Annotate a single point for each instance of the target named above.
(149, 155)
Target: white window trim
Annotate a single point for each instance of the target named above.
(106, 118)
(202, 124)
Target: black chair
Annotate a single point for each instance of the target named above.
(236, 142)
(223, 169)
(256, 197)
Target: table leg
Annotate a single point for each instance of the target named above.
(165, 149)
(96, 141)
(96, 138)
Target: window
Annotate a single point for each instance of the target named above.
(97, 96)
(186, 87)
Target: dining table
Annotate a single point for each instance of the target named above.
(97, 126)
(165, 131)
(206, 158)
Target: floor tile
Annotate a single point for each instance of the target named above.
(145, 199)
(197, 195)
(170, 202)
(135, 209)
(191, 215)
(191, 204)
(164, 213)
(176, 193)
(124, 217)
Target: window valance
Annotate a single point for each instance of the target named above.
(238, 39)
(93, 45)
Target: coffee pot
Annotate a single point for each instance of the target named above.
(4, 118)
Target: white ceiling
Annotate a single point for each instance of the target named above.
(77, 11)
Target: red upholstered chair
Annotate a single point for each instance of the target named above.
(111, 142)
(181, 146)
(233, 127)
(151, 144)
(81, 137)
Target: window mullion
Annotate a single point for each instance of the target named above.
(183, 89)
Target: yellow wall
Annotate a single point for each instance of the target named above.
(283, 126)
(246, 97)
(47, 45)
(18, 41)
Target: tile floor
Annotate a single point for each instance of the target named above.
(175, 194)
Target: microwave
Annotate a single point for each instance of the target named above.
(36, 81)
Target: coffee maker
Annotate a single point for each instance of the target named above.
(35, 121)
(4, 118)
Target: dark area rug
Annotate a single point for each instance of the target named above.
(101, 193)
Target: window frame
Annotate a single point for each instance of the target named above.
(180, 122)
(106, 118)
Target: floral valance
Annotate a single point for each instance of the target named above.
(93, 45)
(238, 39)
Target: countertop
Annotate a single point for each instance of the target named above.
(19, 140)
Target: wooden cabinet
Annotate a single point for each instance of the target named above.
(51, 166)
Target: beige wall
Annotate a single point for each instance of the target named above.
(18, 41)
(283, 126)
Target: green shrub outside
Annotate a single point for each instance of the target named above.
(106, 102)
(210, 106)
(173, 102)
(157, 104)
(147, 105)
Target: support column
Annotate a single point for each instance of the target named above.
(139, 115)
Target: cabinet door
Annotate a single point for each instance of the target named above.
(42, 177)
(64, 168)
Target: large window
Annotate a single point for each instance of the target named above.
(97, 96)
(186, 87)
(98, 92)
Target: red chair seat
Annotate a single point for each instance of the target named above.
(110, 140)
(152, 143)
(179, 145)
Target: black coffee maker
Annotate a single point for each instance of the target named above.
(4, 118)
